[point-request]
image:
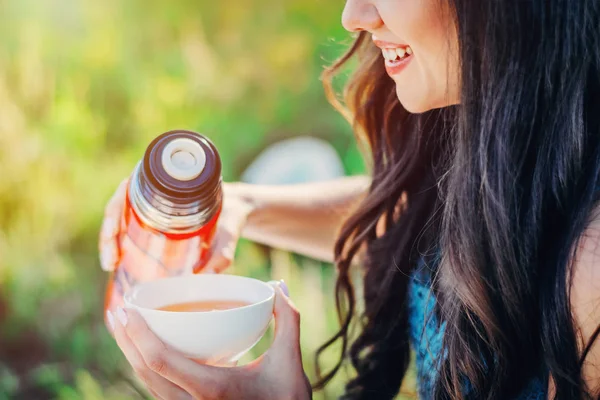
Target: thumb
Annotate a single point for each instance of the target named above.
(286, 340)
(109, 233)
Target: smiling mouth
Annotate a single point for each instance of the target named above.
(396, 55)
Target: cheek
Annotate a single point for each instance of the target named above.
(419, 23)
(435, 52)
(432, 83)
(432, 80)
(444, 74)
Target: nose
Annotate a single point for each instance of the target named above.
(361, 15)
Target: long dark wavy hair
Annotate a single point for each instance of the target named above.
(502, 186)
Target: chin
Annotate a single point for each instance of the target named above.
(413, 104)
(415, 107)
(419, 105)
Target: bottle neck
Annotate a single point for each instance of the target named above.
(158, 212)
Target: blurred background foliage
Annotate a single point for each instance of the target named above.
(84, 86)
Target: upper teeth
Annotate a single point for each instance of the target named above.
(393, 54)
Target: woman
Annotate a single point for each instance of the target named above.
(479, 223)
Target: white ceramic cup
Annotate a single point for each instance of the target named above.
(212, 337)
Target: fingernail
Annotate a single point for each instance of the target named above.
(109, 227)
(284, 288)
(122, 316)
(282, 285)
(108, 257)
(111, 320)
(228, 253)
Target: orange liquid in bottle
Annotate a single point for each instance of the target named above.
(146, 254)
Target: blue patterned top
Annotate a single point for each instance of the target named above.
(426, 339)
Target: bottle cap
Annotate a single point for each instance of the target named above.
(178, 183)
(183, 159)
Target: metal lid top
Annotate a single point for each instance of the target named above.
(183, 167)
(178, 183)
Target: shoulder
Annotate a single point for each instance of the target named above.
(585, 294)
(586, 264)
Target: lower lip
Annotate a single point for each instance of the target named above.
(395, 67)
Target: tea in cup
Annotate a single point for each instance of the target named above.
(214, 318)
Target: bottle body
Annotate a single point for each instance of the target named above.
(169, 218)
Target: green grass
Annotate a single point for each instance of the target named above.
(84, 87)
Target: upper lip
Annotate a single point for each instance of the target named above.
(387, 45)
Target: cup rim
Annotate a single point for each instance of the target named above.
(127, 297)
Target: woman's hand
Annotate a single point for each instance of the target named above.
(233, 217)
(277, 374)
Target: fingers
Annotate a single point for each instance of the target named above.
(286, 341)
(110, 228)
(159, 386)
(217, 265)
(231, 223)
(200, 381)
(109, 254)
(285, 349)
